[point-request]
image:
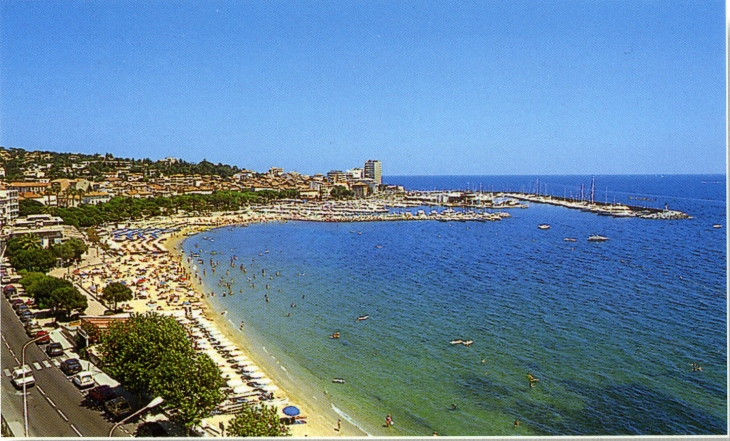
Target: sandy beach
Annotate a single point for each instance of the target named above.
(147, 257)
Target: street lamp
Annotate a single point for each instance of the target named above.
(25, 398)
(155, 402)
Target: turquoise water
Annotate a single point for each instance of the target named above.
(611, 329)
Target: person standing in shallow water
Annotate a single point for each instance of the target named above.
(388, 421)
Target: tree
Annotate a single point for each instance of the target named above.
(151, 354)
(258, 421)
(69, 299)
(27, 207)
(133, 350)
(63, 251)
(40, 260)
(340, 192)
(78, 246)
(116, 292)
(93, 236)
(26, 242)
(42, 289)
(192, 385)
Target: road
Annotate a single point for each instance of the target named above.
(54, 403)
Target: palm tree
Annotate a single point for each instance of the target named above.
(29, 241)
(56, 189)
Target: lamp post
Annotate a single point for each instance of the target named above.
(155, 402)
(25, 398)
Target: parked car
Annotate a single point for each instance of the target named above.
(26, 316)
(46, 338)
(118, 408)
(54, 349)
(22, 375)
(16, 302)
(101, 394)
(32, 328)
(20, 307)
(9, 290)
(71, 366)
(151, 429)
(83, 379)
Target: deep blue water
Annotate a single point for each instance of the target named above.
(611, 329)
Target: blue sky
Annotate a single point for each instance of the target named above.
(427, 87)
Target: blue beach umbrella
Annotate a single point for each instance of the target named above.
(291, 411)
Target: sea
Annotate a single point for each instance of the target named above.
(625, 337)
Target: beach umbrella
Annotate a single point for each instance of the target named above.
(234, 382)
(291, 411)
(229, 348)
(243, 390)
(262, 381)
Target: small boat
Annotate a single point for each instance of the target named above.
(544, 226)
(717, 226)
(597, 238)
(456, 342)
(335, 335)
(467, 342)
(570, 239)
(338, 380)
(363, 317)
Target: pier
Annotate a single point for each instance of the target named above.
(602, 209)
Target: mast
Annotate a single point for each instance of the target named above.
(593, 189)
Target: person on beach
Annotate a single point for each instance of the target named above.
(339, 425)
(388, 421)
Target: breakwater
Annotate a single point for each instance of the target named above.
(603, 209)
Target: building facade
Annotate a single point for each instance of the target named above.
(374, 171)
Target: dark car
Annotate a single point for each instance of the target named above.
(71, 366)
(54, 349)
(17, 302)
(21, 308)
(118, 408)
(26, 316)
(151, 429)
(101, 394)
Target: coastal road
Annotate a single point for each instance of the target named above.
(54, 403)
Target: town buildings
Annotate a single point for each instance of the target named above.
(95, 179)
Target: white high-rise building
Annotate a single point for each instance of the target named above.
(374, 171)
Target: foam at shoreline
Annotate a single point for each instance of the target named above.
(322, 415)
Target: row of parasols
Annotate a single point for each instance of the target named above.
(243, 378)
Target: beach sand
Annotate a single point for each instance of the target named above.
(161, 279)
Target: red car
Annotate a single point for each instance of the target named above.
(45, 338)
(101, 394)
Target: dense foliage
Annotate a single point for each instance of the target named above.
(121, 209)
(54, 293)
(15, 160)
(116, 292)
(257, 420)
(151, 354)
(340, 192)
(25, 253)
(27, 207)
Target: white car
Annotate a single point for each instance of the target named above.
(83, 380)
(22, 375)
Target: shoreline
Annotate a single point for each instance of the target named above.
(152, 263)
